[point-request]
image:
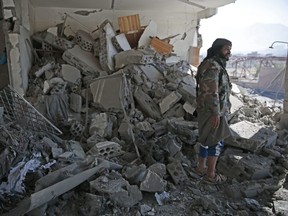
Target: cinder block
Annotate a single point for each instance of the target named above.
(177, 172)
(169, 101)
(105, 149)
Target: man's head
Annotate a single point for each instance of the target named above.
(222, 47)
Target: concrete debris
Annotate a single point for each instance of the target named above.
(101, 124)
(152, 182)
(111, 98)
(46, 67)
(162, 197)
(169, 101)
(119, 190)
(70, 74)
(244, 167)
(43, 196)
(146, 103)
(107, 50)
(55, 41)
(134, 57)
(84, 40)
(149, 31)
(105, 149)
(122, 97)
(83, 60)
(120, 42)
(177, 172)
(251, 137)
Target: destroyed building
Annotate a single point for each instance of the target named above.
(98, 117)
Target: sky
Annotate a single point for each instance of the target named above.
(233, 21)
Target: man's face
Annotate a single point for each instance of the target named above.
(225, 52)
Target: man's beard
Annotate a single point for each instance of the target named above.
(226, 57)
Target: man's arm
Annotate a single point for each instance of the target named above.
(210, 82)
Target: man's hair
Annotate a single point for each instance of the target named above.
(216, 47)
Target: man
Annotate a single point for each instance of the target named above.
(213, 91)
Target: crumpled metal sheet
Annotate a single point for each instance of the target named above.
(16, 108)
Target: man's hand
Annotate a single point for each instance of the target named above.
(215, 121)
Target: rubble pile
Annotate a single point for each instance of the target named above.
(129, 137)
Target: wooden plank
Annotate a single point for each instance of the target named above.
(129, 23)
(161, 46)
(134, 37)
(194, 56)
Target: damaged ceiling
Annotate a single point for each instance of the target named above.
(134, 5)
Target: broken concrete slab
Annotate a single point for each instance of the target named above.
(171, 144)
(188, 92)
(75, 102)
(176, 111)
(133, 57)
(187, 131)
(236, 104)
(145, 128)
(120, 42)
(152, 182)
(83, 60)
(190, 108)
(249, 136)
(107, 97)
(147, 104)
(55, 41)
(245, 166)
(281, 207)
(107, 50)
(159, 169)
(128, 198)
(71, 74)
(101, 124)
(77, 150)
(119, 190)
(169, 101)
(149, 31)
(91, 204)
(151, 72)
(135, 174)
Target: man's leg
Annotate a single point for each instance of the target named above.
(203, 153)
(213, 154)
(211, 163)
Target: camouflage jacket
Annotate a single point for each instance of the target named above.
(213, 87)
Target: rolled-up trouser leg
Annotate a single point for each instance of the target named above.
(203, 151)
(215, 150)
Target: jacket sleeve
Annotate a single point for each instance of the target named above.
(210, 82)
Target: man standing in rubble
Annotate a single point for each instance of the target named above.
(213, 105)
